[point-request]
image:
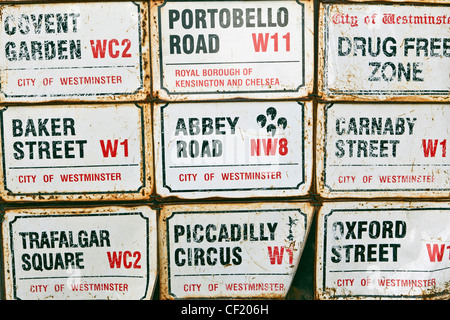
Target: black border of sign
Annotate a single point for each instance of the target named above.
(237, 189)
(94, 94)
(325, 220)
(328, 91)
(76, 215)
(169, 285)
(81, 192)
(161, 63)
(328, 106)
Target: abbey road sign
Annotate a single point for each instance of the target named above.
(233, 149)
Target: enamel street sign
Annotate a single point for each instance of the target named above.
(384, 52)
(396, 250)
(383, 150)
(74, 51)
(233, 149)
(75, 152)
(231, 251)
(92, 253)
(207, 50)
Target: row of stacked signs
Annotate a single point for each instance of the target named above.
(175, 108)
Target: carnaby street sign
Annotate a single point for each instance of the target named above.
(385, 150)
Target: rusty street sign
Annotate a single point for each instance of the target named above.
(231, 251)
(397, 250)
(206, 50)
(384, 150)
(92, 253)
(233, 149)
(384, 52)
(76, 152)
(74, 51)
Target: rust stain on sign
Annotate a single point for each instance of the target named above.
(210, 50)
(80, 253)
(231, 250)
(388, 250)
(82, 152)
(74, 52)
(380, 52)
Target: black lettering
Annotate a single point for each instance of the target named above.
(336, 251)
(178, 231)
(10, 51)
(390, 51)
(377, 66)
(187, 19)
(36, 50)
(26, 266)
(10, 25)
(400, 229)
(24, 24)
(341, 51)
(24, 54)
(49, 23)
(50, 50)
(17, 130)
(237, 260)
(179, 261)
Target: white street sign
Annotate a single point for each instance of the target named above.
(396, 250)
(384, 51)
(385, 150)
(76, 51)
(93, 253)
(75, 152)
(238, 149)
(228, 49)
(231, 251)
